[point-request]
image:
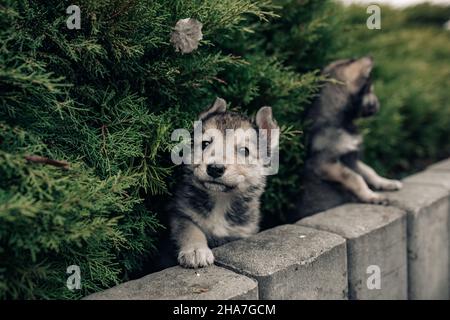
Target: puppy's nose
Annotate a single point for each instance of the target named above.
(215, 170)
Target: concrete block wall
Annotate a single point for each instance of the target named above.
(337, 254)
(178, 283)
(376, 241)
(427, 210)
(290, 262)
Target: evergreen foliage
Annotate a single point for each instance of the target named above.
(411, 77)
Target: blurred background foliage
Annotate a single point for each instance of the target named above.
(412, 81)
(106, 98)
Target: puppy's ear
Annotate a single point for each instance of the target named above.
(357, 72)
(365, 65)
(265, 120)
(219, 106)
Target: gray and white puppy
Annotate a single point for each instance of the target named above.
(334, 173)
(216, 202)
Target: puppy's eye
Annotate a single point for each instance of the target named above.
(244, 151)
(205, 144)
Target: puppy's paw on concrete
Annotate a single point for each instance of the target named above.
(197, 257)
(391, 185)
(374, 198)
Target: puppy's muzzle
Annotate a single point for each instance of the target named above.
(370, 105)
(370, 110)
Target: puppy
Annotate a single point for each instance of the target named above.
(216, 202)
(334, 174)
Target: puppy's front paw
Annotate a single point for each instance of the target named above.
(196, 257)
(374, 198)
(391, 185)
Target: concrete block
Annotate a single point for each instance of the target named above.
(290, 262)
(431, 177)
(443, 165)
(376, 236)
(437, 177)
(177, 283)
(427, 210)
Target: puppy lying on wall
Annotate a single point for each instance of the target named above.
(219, 202)
(333, 173)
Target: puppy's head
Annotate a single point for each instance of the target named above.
(355, 74)
(230, 148)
